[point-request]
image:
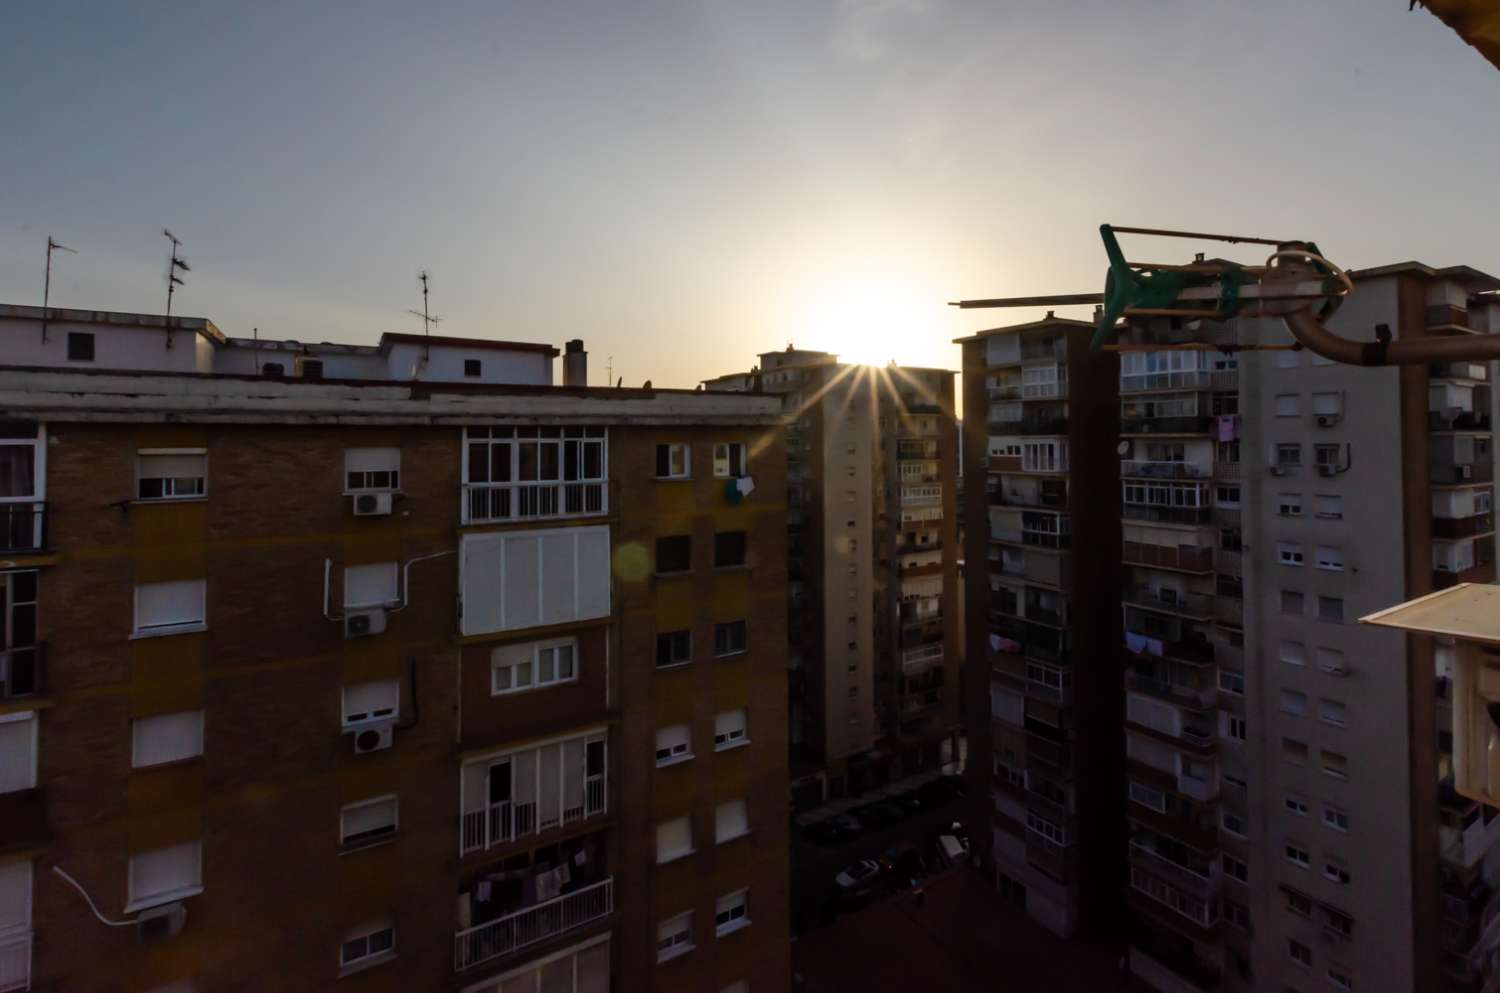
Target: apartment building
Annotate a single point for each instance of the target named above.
(874, 655)
(1045, 698)
(386, 667)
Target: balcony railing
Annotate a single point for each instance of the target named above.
(23, 671)
(1193, 424)
(23, 527)
(1458, 370)
(1006, 391)
(1163, 469)
(915, 660)
(1194, 696)
(500, 823)
(1468, 420)
(1041, 425)
(15, 962)
(1167, 515)
(1055, 695)
(526, 927)
(1191, 604)
(487, 502)
(1182, 557)
(1201, 881)
(1450, 472)
(1462, 527)
(1202, 790)
(1138, 382)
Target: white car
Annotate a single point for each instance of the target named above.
(859, 874)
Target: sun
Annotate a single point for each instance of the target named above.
(870, 318)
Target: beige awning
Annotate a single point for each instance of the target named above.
(1468, 611)
(1476, 21)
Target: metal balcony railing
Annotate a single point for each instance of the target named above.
(1462, 527)
(1181, 557)
(1145, 468)
(1199, 697)
(525, 927)
(1192, 424)
(1192, 604)
(15, 962)
(1041, 425)
(1201, 881)
(1458, 370)
(487, 502)
(1138, 382)
(1168, 515)
(915, 660)
(23, 671)
(1447, 471)
(499, 823)
(23, 526)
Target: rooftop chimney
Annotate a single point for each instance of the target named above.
(575, 364)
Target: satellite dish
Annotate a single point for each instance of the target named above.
(1123, 448)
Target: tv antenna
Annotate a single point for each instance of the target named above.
(428, 319)
(52, 246)
(173, 280)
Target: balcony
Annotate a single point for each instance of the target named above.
(1468, 420)
(1166, 515)
(1005, 391)
(1147, 469)
(1182, 558)
(1193, 424)
(1201, 880)
(1462, 527)
(1145, 382)
(1169, 601)
(918, 450)
(1202, 790)
(23, 672)
(1199, 697)
(1483, 572)
(23, 528)
(1040, 425)
(512, 932)
(487, 503)
(1459, 370)
(1229, 610)
(1196, 651)
(1446, 472)
(915, 660)
(1225, 379)
(501, 823)
(921, 703)
(1005, 463)
(15, 962)
(1057, 696)
(1226, 470)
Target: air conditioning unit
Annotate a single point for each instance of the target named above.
(1278, 470)
(372, 504)
(362, 622)
(160, 923)
(1327, 420)
(1327, 469)
(374, 737)
(1335, 669)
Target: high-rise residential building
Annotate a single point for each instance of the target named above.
(396, 667)
(874, 652)
(1045, 695)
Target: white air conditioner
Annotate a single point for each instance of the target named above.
(358, 623)
(1278, 470)
(372, 504)
(160, 923)
(374, 737)
(1327, 420)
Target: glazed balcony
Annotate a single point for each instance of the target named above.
(23, 527)
(1149, 469)
(1181, 558)
(23, 672)
(1200, 877)
(1190, 424)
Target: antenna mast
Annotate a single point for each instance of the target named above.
(428, 319)
(173, 281)
(52, 246)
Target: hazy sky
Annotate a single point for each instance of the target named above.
(683, 184)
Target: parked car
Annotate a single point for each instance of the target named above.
(953, 849)
(902, 862)
(848, 824)
(822, 833)
(879, 814)
(858, 875)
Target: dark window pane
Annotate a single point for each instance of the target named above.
(663, 460)
(593, 460)
(674, 554)
(471, 367)
(479, 462)
(729, 549)
(80, 346)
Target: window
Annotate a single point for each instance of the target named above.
(1331, 559)
(1327, 404)
(18, 734)
(1295, 804)
(171, 473)
(164, 875)
(1297, 855)
(514, 668)
(80, 346)
(367, 469)
(530, 472)
(1234, 868)
(1330, 507)
(472, 367)
(1331, 609)
(1293, 653)
(1289, 553)
(730, 729)
(164, 738)
(1335, 765)
(1227, 496)
(729, 549)
(1146, 796)
(1237, 914)
(1339, 979)
(1287, 405)
(1326, 455)
(1291, 602)
(674, 839)
(1299, 952)
(1233, 823)
(731, 820)
(674, 936)
(371, 585)
(729, 638)
(1234, 727)
(1288, 358)
(674, 461)
(368, 821)
(674, 743)
(1336, 871)
(1332, 712)
(371, 703)
(169, 608)
(1293, 702)
(674, 648)
(731, 912)
(1294, 751)
(1335, 817)
(729, 460)
(1289, 504)
(674, 554)
(1298, 903)
(1288, 455)
(1232, 682)
(367, 945)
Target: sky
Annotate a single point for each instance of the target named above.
(686, 183)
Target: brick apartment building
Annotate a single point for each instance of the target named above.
(380, 668)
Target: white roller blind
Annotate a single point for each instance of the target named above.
(593, 970)
(374, 815)
(730, 820)
(15, 896)
(17, 752)
(1286, 405)
(166, 738)
(673, 838)
(520, 580)
(159, 605)
(372, 585)
(729, 725)
(372, 459)
(673, 740)
(1327, 403)
(165, 872)
(174, 466)
(374, 701)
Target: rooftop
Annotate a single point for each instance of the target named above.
(1049, 321)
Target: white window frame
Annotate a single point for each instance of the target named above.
(535, 680)
(1289, 553)
(1147, 796)
(1238, 828)
(677, 751)
(143, 901)
(1329, 619)
(679, 460)
(1332, 773)
(1297, 855)
(184, 626)
(1293, 653)
(1234, 727)
(368, 959)
(1234, 868)
(726, 454)
(1339, 979)
(376, 715)
(1293, 947)
(743, 806)
(1232, 682)
(744, 646)
(1287, 404)
(1336, 871)
(348, 842)
(674, 936)
(1293, 702)
(1295, 804)
(144, 724)
(1328, 506)
(1332, 816)
(726, 906)
(169, 492)
(368, 482)
(734, 737)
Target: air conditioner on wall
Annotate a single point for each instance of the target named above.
(1327, 420)
(358, 623)
(160, 923)
(374, 737)
(372, 504)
